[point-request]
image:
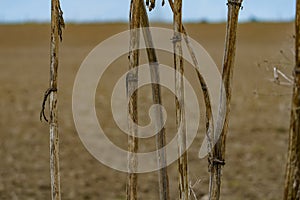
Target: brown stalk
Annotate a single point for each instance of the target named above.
(132, 84)
(156, 96)
(57, 24)
(292, 178)
(180, 110)
(234, 7)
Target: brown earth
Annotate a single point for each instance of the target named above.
(258, 133)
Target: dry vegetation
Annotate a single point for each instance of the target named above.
(258, 129)
(257, 133)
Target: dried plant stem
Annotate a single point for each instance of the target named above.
(228, 64)
(292, 179)
(132, 83)
(180, 110)
(205, 90)
(57, 24)
(156, 96)
(209, 118)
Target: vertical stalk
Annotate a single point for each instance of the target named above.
(205, 90)
(180, 110)
(228, 65)
(292, 179)
(132, 84)
(156, 96)
(56, 31)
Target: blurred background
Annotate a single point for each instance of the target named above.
(79, 11)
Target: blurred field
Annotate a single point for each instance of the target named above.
(257, 139)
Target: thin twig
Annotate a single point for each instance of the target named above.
(192, 190)
(46, 96)
(204, 88)
(277, 74)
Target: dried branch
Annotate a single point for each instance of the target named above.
(180, 109)
(156, 96)
(228, 64)
(57, 24)
(132, 83)
(292, 179)
(209, 117)
(277, 74)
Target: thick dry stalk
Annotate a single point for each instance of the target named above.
(132, 84)
(156, 96)
(227, 73)
(57, 24)
(180, 110)
(292, 179)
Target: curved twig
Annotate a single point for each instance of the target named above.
(46, 95)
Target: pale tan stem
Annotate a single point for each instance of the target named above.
(204, 88)
(209, 117)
